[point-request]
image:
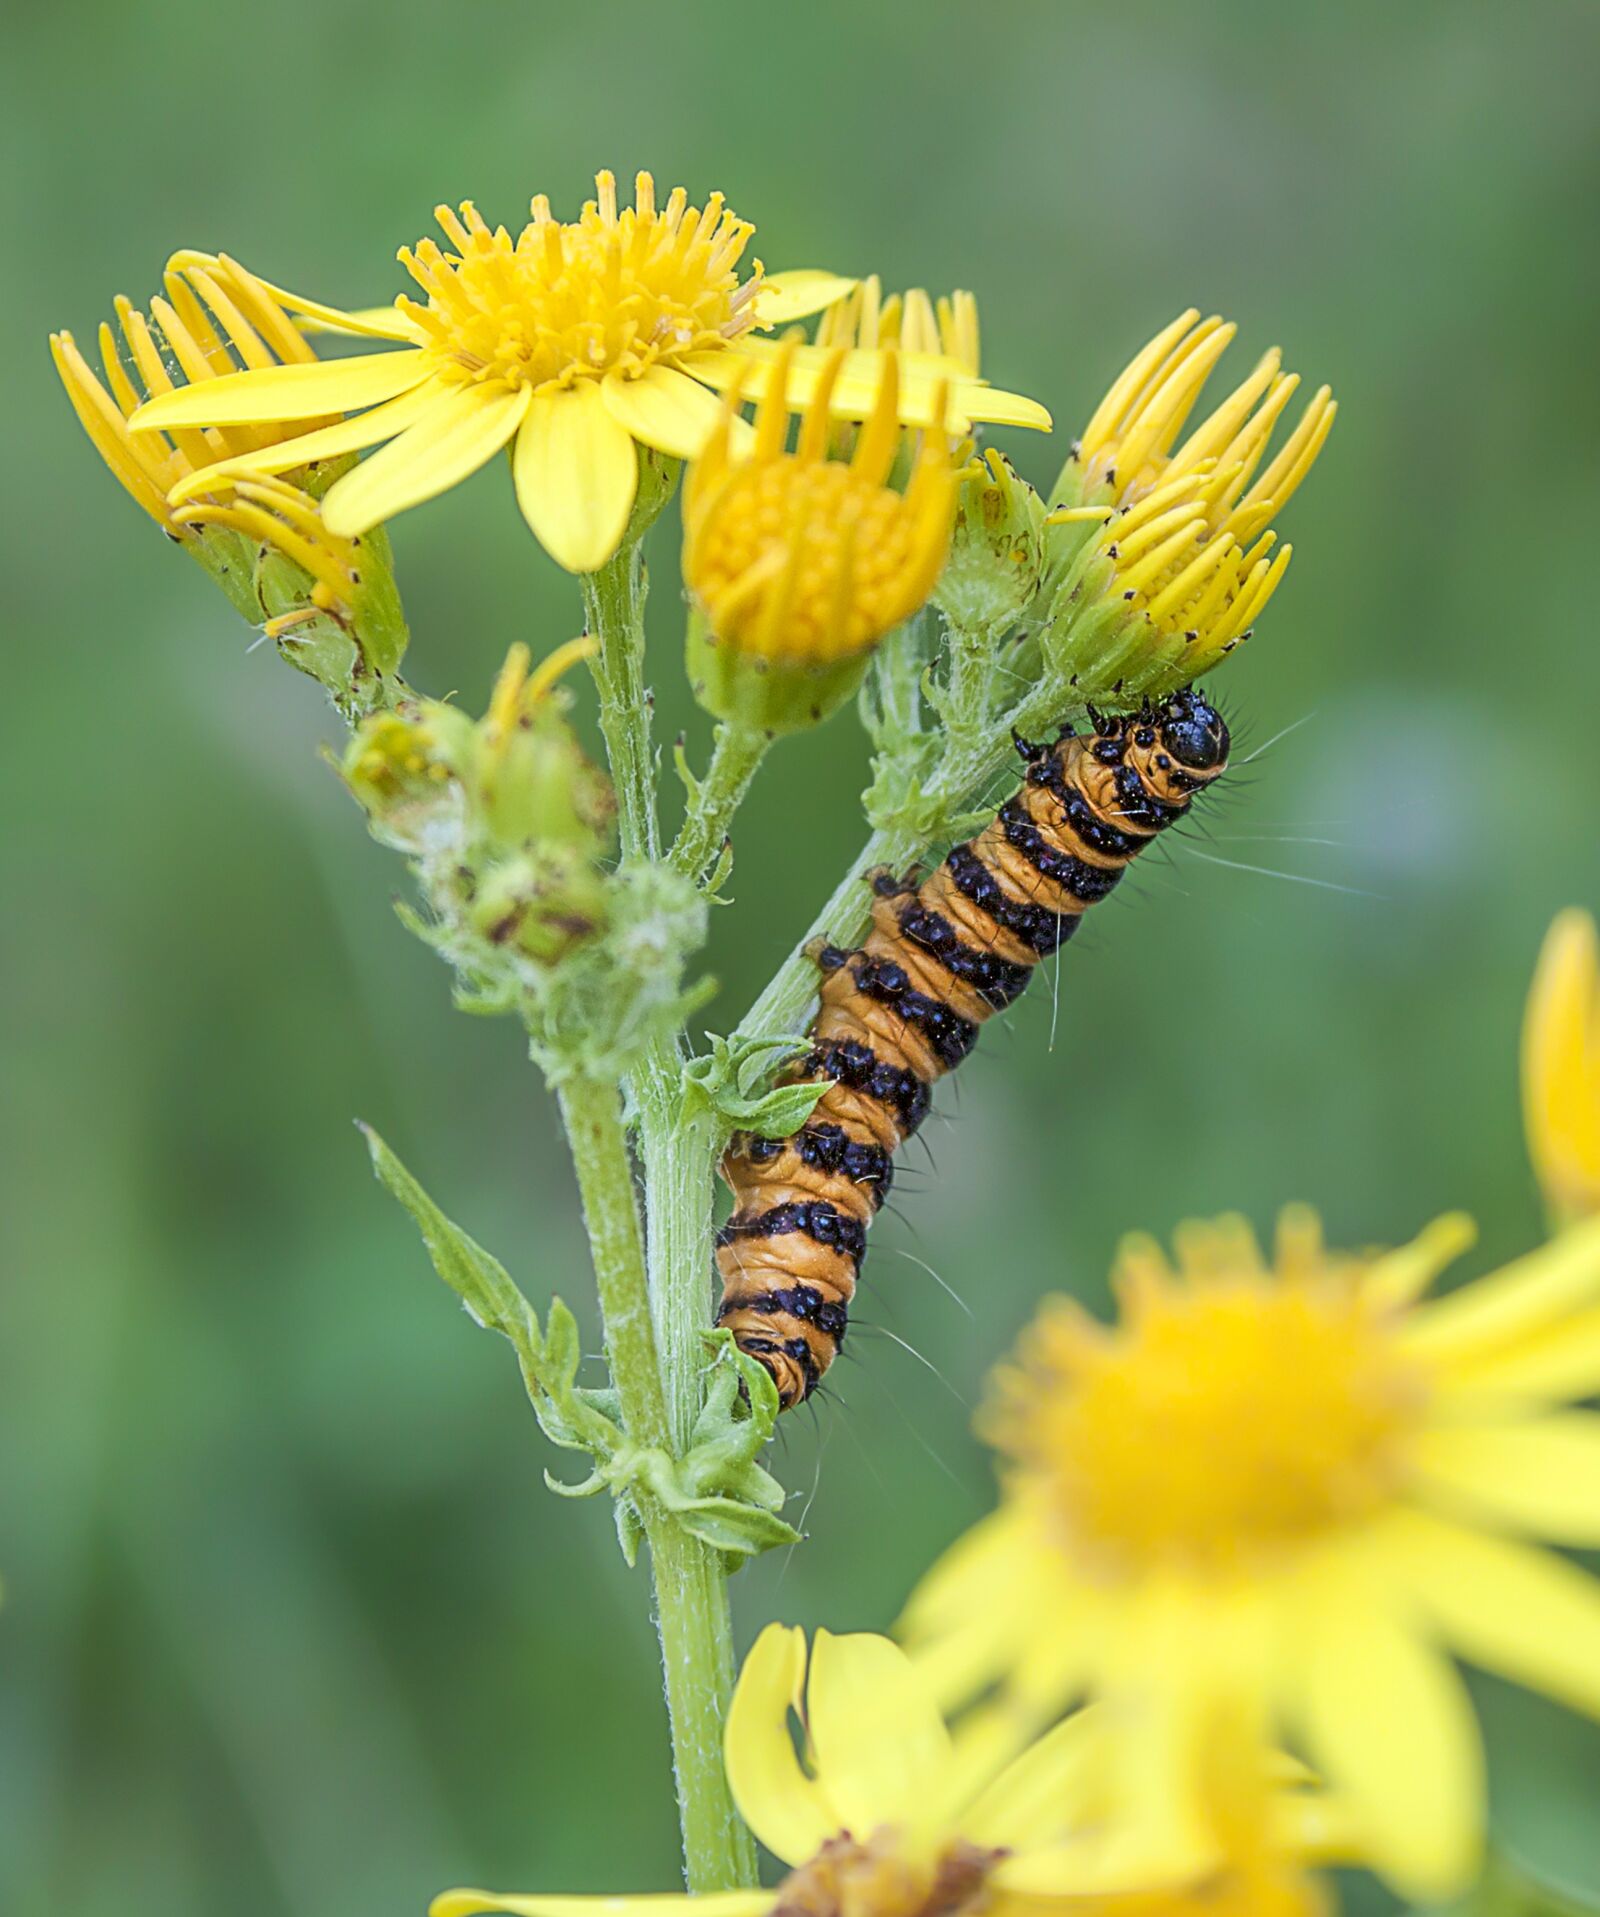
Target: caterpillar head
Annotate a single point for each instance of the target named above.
(1193, 732)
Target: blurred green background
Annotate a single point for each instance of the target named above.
(290, 1624)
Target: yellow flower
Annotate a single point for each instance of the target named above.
(214, 320)
(1561, 1067)
(797, 563)
(912, 323)
(1183, 534)
(893, 1816)
(797, 557)
(570, 341)
(1291, 1493)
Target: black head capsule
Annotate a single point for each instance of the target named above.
(1194, 732)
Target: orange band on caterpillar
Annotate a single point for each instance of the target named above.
(904, 1008)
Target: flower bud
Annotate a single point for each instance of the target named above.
(997, 551)
(797, 563)
(506, 818)
(1158, 561)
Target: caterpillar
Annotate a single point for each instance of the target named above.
(905, 1007)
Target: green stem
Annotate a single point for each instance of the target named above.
(692, 1610)
(784, 1007)
(691, 1596)
(735, 759)
(613, 609)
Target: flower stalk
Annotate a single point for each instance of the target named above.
(692, 1613)
(663, 1301)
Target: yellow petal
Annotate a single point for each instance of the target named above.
(1046, 1793)
(273, 393)
(373, 322)
(856, 384)
(724, 1903)
(1537, 1476)
(327, 442)
(1400, 1277)
(1561, 1063)
(1534, 1291)
(791, 296)
(1508, 1607)
(462, 430)
(1388, 1721)
(362, 322)
(1554, 1362)
(785, 1808)
(668, 410)
(883, 1753)
(577, 473)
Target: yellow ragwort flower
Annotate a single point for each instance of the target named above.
(214, 321)
(796, 557)
(1186, 528)
(1290, 1493)
(894, 1816)
(913, 323)
(570, 341)
(1561, 1067)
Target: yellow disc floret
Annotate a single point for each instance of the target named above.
(1235, 1412)
(796, 558)
(563, 301)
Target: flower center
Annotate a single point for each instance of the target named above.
(841, 554)
(1222, 1423)
(883, 1877)
(609, 292)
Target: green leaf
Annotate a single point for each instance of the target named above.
(477, 1278)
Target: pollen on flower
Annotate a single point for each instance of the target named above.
(1235, 1412)
(797, 557)
(564, 301)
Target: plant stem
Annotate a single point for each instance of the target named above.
(735, 759)
(613, 610)
(963, 773)
(672, 1302)
(691, 1599)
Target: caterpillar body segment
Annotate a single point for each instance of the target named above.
(905, 1007)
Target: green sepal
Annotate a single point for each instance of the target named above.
(774, 696)
(733, 1083)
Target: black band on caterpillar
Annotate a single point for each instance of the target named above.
(815, 1217)
(905, 1008)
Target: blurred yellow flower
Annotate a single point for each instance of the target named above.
(1290, 1492)
(1188, 529)
(892, 1815)
(1561, 1067)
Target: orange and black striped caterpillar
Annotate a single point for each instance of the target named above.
(904, 1008)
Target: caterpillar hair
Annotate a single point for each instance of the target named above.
(904, 1008)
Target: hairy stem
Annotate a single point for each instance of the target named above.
(735, 759)
(613, 610)
(690, 1587)
(692, 1610)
